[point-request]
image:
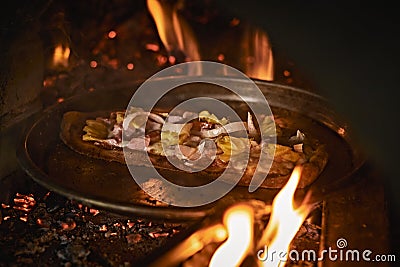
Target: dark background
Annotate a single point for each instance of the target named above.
(349, 49)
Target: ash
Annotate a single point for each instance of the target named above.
(46, 229)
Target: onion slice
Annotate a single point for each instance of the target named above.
(228, 128)
(250, 125)
(173, 127)
(130, 117)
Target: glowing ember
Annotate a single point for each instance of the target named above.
(61, 56)
(283, 225)
(42, 223)
(161, 60)
(24, 202)
(130, 66)
(93, 64)
(286, 73)
(103, 228)
(130, 224)
(49, 81)
(112, 34)
(172, 60)
(94, 212)
(69, 225)
(341, 131)
(234, 22)
(239, 221)
(24, 218)
(153, 47)
(157, 235)
(47, 195)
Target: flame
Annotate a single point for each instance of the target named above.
(61, 56)
(175, 33)
(258, 56)
(185, 37)
(162, 19)
(239, 221)
(284, 223)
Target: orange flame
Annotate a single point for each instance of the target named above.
(258, 57)
(61, 56)
(185, 37)
(239, 221)
(284, 223)
(175, 33)
(162, 19)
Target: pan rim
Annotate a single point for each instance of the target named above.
(169, 213)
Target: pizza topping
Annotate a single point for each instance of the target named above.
(298, 138)
(204, 136)
(173, 119)
(107, 143)
(250, 125)
(188, 115)
(154, 136)
(177, 127)
(211, 118)
(188, 152)
(298, 147)
(152, 126)
(226, 129)
(156, 148)
(232, 146)
(169, 138)
(268, 149)
(116, 133)
(186, 142)
(268, 127)
(119, 116)
(96, 129)
(135, 120)
(138, 143)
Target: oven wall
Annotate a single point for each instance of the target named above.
(21, 78)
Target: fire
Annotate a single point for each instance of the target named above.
(239, 221)
(284, 223)
(61, 56)
(175, 33)
(179, 40)
(258, 57)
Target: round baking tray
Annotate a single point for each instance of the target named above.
(109, 185)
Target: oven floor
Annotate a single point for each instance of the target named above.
(54, 230)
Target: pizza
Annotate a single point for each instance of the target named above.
(201, 138)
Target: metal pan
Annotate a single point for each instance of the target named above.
(109, 185)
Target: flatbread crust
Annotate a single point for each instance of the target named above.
(71, 133)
